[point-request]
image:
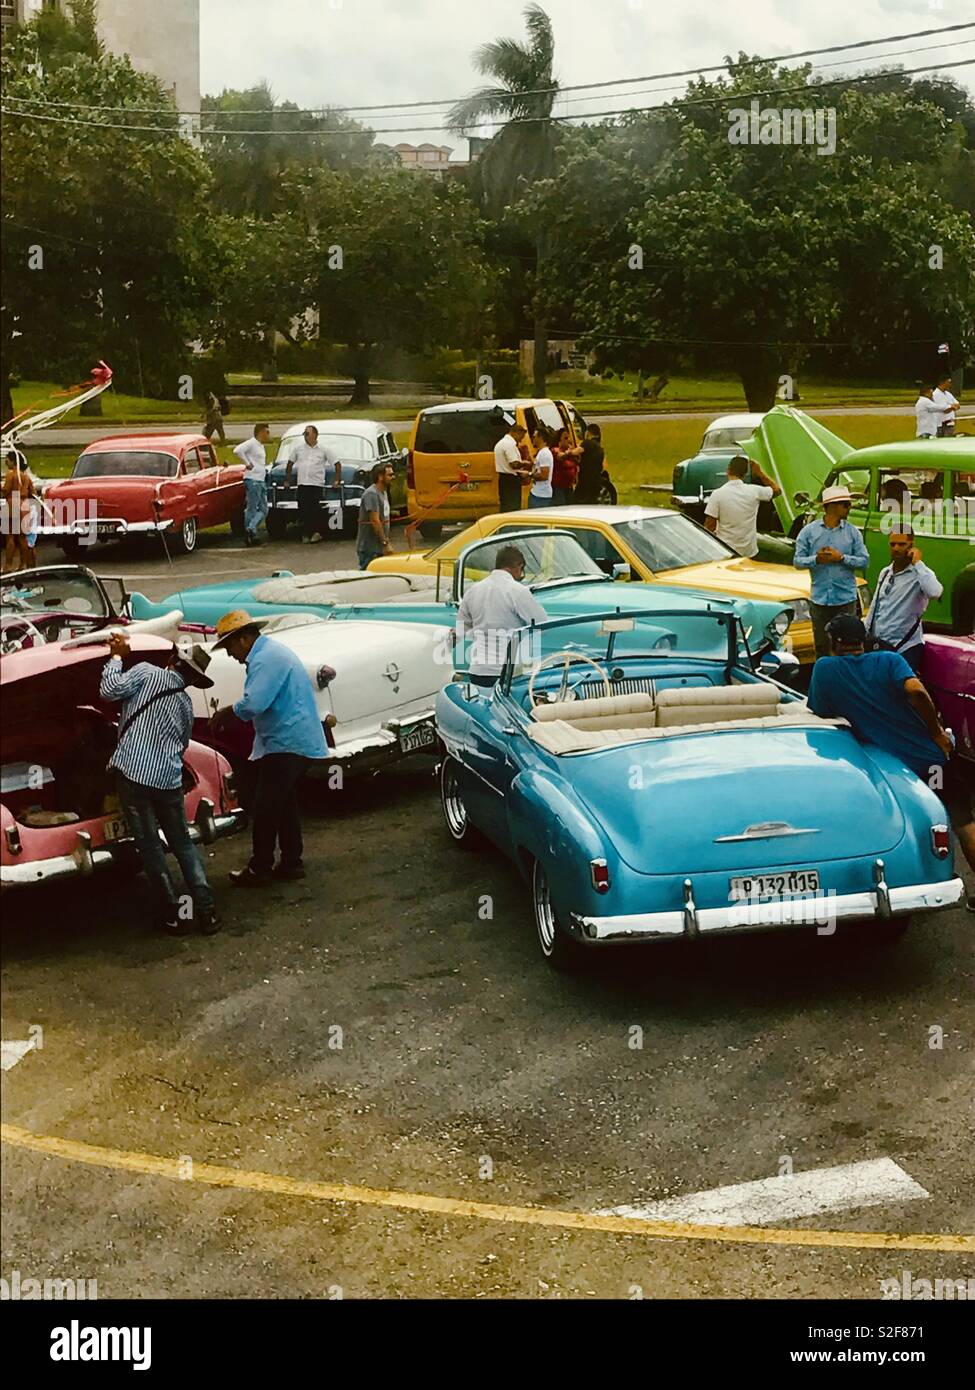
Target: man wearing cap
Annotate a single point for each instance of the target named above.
(885, 703)
(154, 731)
(904, 590)
(832, 550)
(288, 736)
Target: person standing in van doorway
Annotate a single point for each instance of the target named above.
(511, 468)
(541, 489)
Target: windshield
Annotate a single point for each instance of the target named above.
(62, 593)
(727, 438)
(352, 447)
(125, 463)
(548, 559)
(671, 542)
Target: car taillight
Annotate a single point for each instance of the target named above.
(941, 841)
(410, 478)
(599, 872)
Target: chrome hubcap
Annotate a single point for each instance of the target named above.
(189, 533)
(544, 916)
(455, 812)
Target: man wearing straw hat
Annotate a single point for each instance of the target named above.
(280, 702)
(154, 731)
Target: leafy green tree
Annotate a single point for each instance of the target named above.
(395, 261)
(105, 230)
(747, 254)
(522, 152)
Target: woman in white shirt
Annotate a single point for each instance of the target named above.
(541, 489)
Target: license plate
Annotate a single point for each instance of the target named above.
(115, 829)
(468, 487)
(775, 885)
(411, 740)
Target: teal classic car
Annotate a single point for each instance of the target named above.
(563, 577)
(650, 786)
(696, 478)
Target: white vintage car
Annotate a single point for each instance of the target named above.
(358, 445)
(378, 679)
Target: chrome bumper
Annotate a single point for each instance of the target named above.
(380, 748)
(83, 860)
(117, 525)
(692, 921)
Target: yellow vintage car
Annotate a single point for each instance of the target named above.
(653, 544)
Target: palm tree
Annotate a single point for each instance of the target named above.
(524, 94)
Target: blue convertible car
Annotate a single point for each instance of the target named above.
(651, 786)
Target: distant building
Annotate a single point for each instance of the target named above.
(424, 159)
(159, 36)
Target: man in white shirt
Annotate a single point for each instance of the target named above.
(314, 466)
(541, 488)
(948, 404)
(732, 509)
(491, 610)
(510, 468)
(253, 455)
(927, 414)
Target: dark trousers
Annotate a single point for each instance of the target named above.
(274, 815)
(509, 493)
(309, 509)
(823, 614)
(147, 811)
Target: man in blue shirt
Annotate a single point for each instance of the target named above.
(288, 735)
(832, 550)
(885, 703)
(904, 589)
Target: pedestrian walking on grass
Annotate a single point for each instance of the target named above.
(832, 550)
(154, 731)
(213, 418)
(279, 701)
(253, 455)
(314, 466)
(372, 538)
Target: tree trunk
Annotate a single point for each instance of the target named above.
(92, 407)
(540, 357)
(361, 363)
(269, 366)
(759, 372)
(7, 405)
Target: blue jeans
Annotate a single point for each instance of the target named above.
(147, 811)
(534, 501)
(255, 503)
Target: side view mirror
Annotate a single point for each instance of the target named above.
(621, 571)
(780, 666)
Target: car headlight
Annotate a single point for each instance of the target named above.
(800, 611)
(781, 623)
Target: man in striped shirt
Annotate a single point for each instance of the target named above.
(154, 731)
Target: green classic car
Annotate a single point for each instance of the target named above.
(928, 482)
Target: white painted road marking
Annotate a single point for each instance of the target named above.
(13, 1052)
(868, 1184)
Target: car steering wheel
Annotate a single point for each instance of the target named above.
(24, 628)
(566, 658)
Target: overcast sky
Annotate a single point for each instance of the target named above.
(362, 52)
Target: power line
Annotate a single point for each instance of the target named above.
(515, 120)
(396, 107)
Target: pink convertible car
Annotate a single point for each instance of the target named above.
(949, 674)
(59, 815)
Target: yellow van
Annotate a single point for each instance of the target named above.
(450, 473)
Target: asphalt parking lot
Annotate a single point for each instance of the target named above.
(385, 1032)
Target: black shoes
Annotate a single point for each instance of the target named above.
(209, 923)
(247, 878)
(291, 874)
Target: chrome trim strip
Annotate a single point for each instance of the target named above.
(650, 926)
(765, 830)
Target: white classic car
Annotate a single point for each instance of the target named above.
(358, 445)
(379, 680)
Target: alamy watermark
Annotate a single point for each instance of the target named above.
(19, 1289)
(926, 1290)
(774, 125)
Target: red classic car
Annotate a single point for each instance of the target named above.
(169, 484)
(59, 814)
(949, 674)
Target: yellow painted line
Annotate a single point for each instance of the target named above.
(277, 1185)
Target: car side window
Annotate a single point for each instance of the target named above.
(191, 461)
(208, 457)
